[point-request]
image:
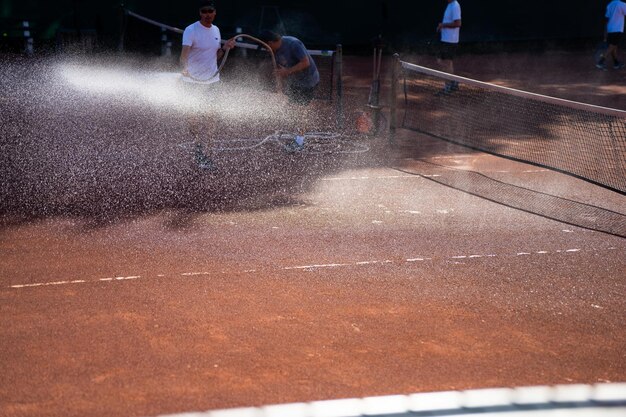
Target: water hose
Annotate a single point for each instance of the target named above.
(225, 57)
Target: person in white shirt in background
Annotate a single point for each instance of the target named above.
(449, 28)
(614, 30)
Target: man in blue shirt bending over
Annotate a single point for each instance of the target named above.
(297, 70)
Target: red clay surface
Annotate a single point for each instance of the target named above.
(348, 279)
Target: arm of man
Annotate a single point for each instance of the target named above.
(455, 24)
(229, 44)
(184, 56)
(300, 66)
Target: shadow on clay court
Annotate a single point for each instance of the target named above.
(67, 153)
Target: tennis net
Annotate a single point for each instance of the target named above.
(582, 140)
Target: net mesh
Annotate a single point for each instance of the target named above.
(522, 198)
(582, 140)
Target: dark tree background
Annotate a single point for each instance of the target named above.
(404, 24)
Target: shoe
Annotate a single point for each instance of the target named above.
(618, 65)
(203, 161)
(447, 90)
(206, 165)
(450, 87)
(601, 65)
(296, 145)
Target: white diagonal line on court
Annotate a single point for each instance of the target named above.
(317, 266)
(314, 266)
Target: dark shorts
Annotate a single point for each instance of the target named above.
(447, 50)
(300, 95)
(614, 38)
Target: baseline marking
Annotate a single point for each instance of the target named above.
(310, 267)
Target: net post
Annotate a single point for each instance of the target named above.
(393, 95)
(339, 86)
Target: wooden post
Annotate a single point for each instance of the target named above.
(393, 96)
(339, 84)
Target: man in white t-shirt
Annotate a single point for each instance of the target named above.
(449, 28)
(615, 12)
(202, 47)
(201, 50)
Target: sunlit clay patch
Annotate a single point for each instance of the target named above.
(165, 89)
(154, 88)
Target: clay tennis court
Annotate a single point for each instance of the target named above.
(133, 285)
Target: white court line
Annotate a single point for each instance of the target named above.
(373, 262)
(454, 156)
(120, 278)
(39, 284)
(528, 171)
(384, 177)
(316, 266)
